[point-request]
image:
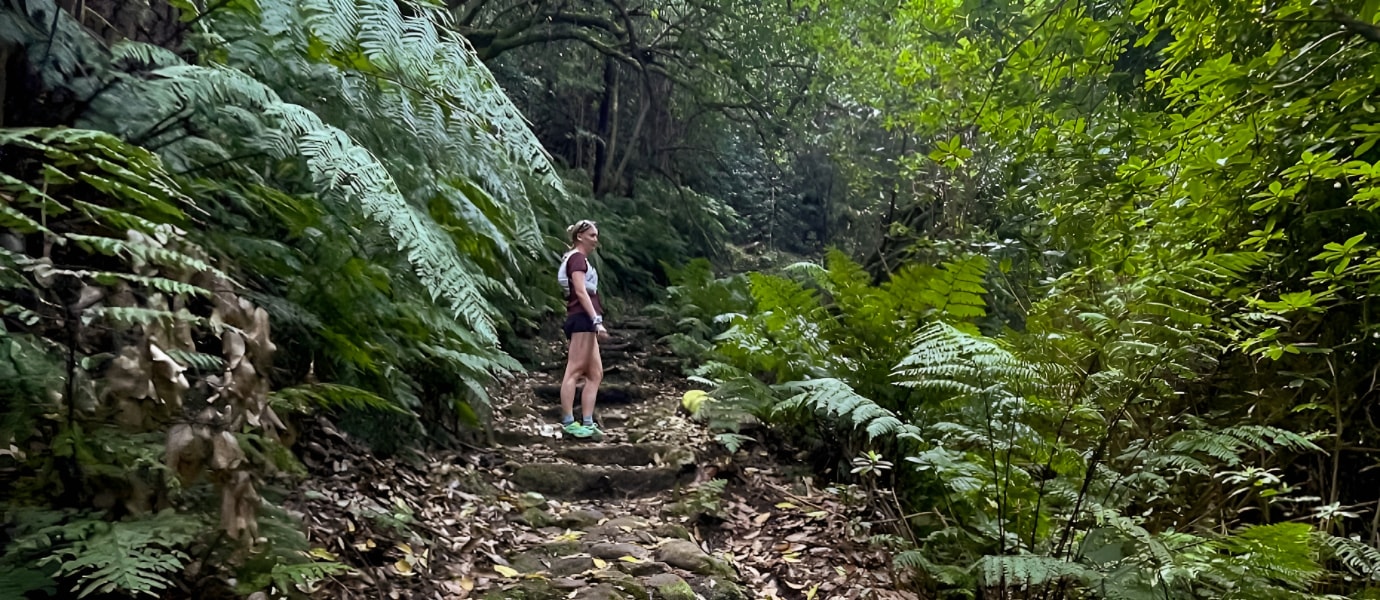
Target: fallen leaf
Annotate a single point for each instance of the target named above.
(785, 505)
(600, 563)
(506, 571)
(569, 536)
(630, 559)
(762, 518)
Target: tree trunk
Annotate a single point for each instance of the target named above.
(646, 102)
(579, 137)
(608, 128)
(5, 53)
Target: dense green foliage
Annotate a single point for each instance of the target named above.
(348, 172)
(1095, 321)
(1173, 393)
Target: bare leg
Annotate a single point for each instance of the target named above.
(594, 374)
(577, 363)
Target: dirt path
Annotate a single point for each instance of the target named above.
(657, 509)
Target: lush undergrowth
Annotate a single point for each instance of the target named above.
(267, 212)
(1077, 458)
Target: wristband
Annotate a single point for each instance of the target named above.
(599, 320)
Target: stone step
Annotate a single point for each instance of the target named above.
(612, 361)
(611, 419)
(568, 481)
(628, 455)
(608, 393)
(617, 345)
(618, 357)
(520, 438)
(635, 323)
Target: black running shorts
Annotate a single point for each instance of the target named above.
(578, 323)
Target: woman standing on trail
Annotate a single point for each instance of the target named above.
(584, 325)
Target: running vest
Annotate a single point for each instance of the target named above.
(574, 261)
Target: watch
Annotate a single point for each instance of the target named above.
(599, 320)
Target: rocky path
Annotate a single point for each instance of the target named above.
(657, 509)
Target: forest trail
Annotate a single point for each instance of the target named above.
(657, 509)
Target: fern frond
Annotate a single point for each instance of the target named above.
(1280, 552)
(130, 316)
(838, 400)
(1030, 569)
(208, 363)
(304, 575)
(18, 581)
(1356, 556)
(134, 557)
(957, 291)
(141, 253)
(1228, 444)
(348, 171)
(948, 575)
(331, 396)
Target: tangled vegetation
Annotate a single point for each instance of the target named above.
(1078, 293)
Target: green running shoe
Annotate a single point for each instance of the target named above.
(575, 429)
(594, 432)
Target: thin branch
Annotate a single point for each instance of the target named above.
(1354, 24)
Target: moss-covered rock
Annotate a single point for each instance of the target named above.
(720, 588)
(615, 551)
(536, 518)
(527, 562)
(687, 555)
(670, 586)
(672, 530)
(624, 583)
(580, 518)
(528, 589)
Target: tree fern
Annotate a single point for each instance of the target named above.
(431, 84)
(344, 169)
(471, 124)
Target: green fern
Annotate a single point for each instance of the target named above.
(946, 360)
(131, 557)
(18, 581)
(343, 169)
(465, 126)
(835, 399)
(1016, 571)
(1228, 445)
(303, 577)
(330, 396)
(947, 575)
(957, 292)
(1361, 559)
